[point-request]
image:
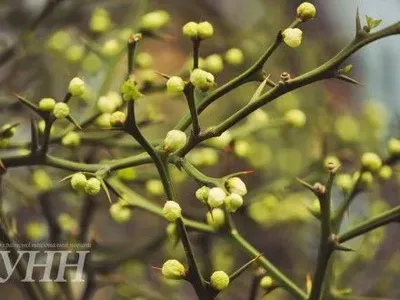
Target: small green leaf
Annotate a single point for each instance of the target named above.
(372, 23)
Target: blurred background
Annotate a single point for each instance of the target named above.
(43, 44)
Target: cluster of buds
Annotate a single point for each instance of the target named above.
(202, 79)
(91, 186)
(198, 31)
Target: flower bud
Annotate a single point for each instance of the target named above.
(61, 110)
(174, 140)
(219, 280)
(7, 131)
(205, 30)
(345, 182)
(190, 30)
(173, 269)
(91, 63)
(75, 53)
(202, 194)
(76, 87)
(236, 185)
(175, 85)
(216, 197)
(385, 172)
(120, 213)
(109, 103)
(242, 148)
(234, 56)
(371, 161)
(154, 20)
(394, 147)
(367, 179)
(155, 187)
(78, 181)
(295, 118)
(71, 139)
(100, 21)
(214, 63)
(66, 222)
(266, 282)
(216, 218)
(233, 202)
(93, 186)
(130, 91)
(47, 104)
(306, 11)
(315, 207)
(221, 141)
(111, 47)
(127, 174)
(42, 180)
(331, 163)
(202, 79)
(171, 231)
(35, 230)
(143, 60)
(117, 119)
(172, 211)
(292, 37)
(103, 121)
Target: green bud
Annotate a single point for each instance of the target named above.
(347, 128)
(71, 139)
(110, 102)
(234, 56)
(315, 207)
(295, 118)
(190, 30)
(127, 174)
(174, 140)
(331, 163)
(205, 30)
(266, 282)
(258, 117)
(385, 172)
(7, 131)
(202, 194)
(173, 269)
(42, 180)
(154, 20)
(61, 110)
(78, 182)
(59, 40)
(306, 11)
(35, 230)
(120, 213)
(143, 60)
(117, 119)
(47, 104)
(216, 197)
(91, 63)
(172, 211)
(66, 222)
(130, 91)
(394, 147)
(236, 185)
(42, 126)
(202, 79)
(216, 218)
(345, 182)
(221, 141)
(93, 186)
(233, 202)
(111, 47)
(100, 21)
(367, 179)
(371, 161)
(75, 53)
(155, 187)
(292, 37)
(175, 85)
(214, 63)
(76, 87)
(103, 121)
(219, 280)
